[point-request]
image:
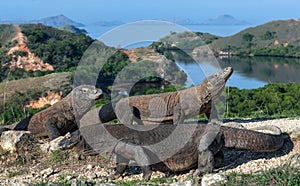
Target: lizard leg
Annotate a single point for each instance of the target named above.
(136, 153)
(219, 159)
(51, 128)
(137, 116)
(121, 166)
(205, 162)
(212, 114)
(124, 112)
(209, 145)
(178, 115)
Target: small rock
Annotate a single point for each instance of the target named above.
(213, 179)
(47, 172)
(19, 184)
(296, 134)
(69, 177)
(105, 184)
(185, 183)
(89, 166)
(294, 160)
(13, 140)
(45, 147)
(91, 175)
(75, 182)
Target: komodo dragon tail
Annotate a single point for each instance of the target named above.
(253, 140)
(21, 125)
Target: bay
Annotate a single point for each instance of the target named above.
(249, 72)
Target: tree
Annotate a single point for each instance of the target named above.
(268, 35)
(248, 37)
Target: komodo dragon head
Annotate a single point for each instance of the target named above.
(83, 97)
(216, 82)
(87, 92)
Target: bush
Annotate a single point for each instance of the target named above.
(273, 100)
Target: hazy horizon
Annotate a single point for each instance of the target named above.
(89, 11)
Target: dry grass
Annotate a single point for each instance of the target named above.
(50, 82)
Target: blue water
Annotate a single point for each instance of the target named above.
(197, 72)
(219, 30)
(248, 73)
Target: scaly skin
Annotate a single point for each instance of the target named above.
(173, 107)
(202, 142)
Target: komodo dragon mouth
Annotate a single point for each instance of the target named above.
(98, 94)
(227, 73)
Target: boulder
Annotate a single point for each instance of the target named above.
(16, 140)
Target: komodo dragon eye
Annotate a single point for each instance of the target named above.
(84, 90)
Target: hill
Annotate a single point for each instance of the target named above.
(55, 21)
(20, 98)
(59, 20)
(34, 50)
(220, 20)
(72, 29)
(276, 38)
(224, 20)
(180, 46)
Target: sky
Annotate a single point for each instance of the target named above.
(89, 11)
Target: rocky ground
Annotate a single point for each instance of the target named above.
(32, 166)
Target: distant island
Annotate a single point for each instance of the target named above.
(61, 20)
(220, 20)
(54, 21)
(107, 23)
(278, 38)
(72, 29)
(224, 20)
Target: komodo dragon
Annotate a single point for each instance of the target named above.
(174, 107)
(60, 118)
(174, 148)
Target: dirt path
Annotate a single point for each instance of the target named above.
(28, 62)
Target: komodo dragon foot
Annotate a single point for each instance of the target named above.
(126, 152)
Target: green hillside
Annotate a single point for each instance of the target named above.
(180, 46)
(276, 38)
(72, 29)
(7, 32)
(61, 49)
(56, 47)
